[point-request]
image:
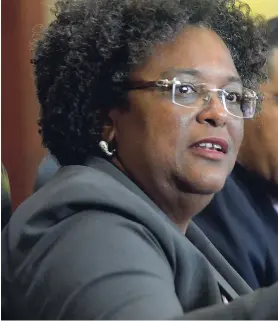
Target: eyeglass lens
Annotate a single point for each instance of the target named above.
(192, 96)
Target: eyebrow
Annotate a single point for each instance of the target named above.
(196, 72)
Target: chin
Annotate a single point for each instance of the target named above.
(204, 185)
(210, 188)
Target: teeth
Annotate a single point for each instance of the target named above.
(210, 146)
(217, 147)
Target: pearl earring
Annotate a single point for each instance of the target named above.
(104, 147)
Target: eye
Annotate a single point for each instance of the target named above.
(186, 90)
(233, 97)
(185, 94)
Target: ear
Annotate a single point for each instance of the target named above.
(109, 131)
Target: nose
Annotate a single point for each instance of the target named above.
(213, 112)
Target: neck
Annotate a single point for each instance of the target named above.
(180, 206)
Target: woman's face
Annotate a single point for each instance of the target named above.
(157, 140)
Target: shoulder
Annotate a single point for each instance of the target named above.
(110, 207)
(47, 168)
(89, 265)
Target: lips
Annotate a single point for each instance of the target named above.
(215, 144)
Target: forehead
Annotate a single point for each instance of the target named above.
(195, 48)
(199, 74)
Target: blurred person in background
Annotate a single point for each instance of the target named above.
(259, 150)
(242, 219)
(6, 203)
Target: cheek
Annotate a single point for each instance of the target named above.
(170, 129)
(155, 128)
(163, 126)
(182, 134)
(236, 131)
(160, 122)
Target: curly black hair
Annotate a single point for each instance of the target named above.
(92, 45)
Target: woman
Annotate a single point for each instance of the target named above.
(148, 100)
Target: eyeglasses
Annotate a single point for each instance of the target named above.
(239, 104)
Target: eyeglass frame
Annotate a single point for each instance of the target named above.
(166, 84)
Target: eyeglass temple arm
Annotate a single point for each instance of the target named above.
(150, 84)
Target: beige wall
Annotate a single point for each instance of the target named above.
(268, 8)
(47, 14)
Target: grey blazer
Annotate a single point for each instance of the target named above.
(91, 245)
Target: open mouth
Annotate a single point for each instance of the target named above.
(209, 146)
(212, 148)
